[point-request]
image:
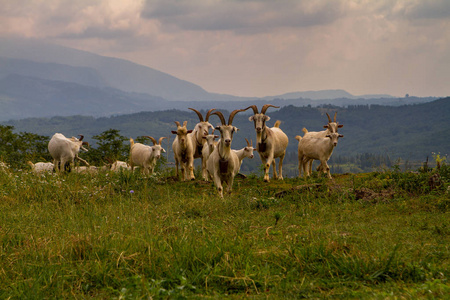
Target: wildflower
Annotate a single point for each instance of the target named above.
(131, 192)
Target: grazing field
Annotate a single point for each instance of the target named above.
(126, 236)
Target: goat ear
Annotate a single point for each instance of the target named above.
(189, 131)
(217, 128)
(328, 135)
(174, 132)
(325, 126)
(235, 128)
(162, 150)
(266, 118)
(341, 135)
(340, 126)
(251, 118)
(210, 126)
(204, 137)
(216, 136)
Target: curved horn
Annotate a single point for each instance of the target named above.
(335, 114)
(178, 123)
(233, 113)
(85, 143)
(248, 144)
(184, 123)
(198, 114)
(160, 140)
(149, 137)
(266, 106)
(208, 114)
(81, 137)
(255, 109)
(222, 119)
(329, 118)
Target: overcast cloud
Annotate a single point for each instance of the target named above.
(258, 47)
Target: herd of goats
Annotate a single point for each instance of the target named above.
(219, 162)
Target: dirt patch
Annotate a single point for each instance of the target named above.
(368, 195)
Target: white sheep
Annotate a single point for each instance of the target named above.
(208, 148)
(223, 164)
(65, 150)
(271, 142)
(316, 148)
(183, 151)
(145, 156)
(41, 167)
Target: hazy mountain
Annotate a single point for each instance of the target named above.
(325, 94)
(38, 79)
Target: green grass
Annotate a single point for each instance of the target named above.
(125, 236)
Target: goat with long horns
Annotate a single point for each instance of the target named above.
(200, 131)
(271, 143)
(223, 164)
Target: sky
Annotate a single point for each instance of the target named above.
(257, 48)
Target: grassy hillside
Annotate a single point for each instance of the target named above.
(124, 236)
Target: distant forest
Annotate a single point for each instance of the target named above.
(374, 135)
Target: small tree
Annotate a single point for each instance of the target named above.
(110, 147)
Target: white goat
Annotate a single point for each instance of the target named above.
(245, 152)
(65, 150)
(86, 170)
(119, 165)
(41, 167)
(331, 127)
(223, 164)
(316, 148)
(208, 148)
(197, 135)
(145, 156)
(183, 151)
(271, 142)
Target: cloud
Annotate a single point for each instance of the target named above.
(241, 15)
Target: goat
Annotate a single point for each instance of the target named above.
(331, 127)
(41, 167)
(245, 152)
(86, 170)
(201, 130)
(183, 151)
(65, 150)
(119, 165)
(145, 156)
(271, 142)
(223, 164)
(208, 148)
(316, 148)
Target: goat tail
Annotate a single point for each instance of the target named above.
(305, 130)
(277, 124)
(298, 138)
(131, 142)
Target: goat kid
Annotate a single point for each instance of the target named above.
(183, 151)
(208, 148)
(245, 152)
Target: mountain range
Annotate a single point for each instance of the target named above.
(38, 79)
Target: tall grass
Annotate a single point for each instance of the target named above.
(126, 236)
